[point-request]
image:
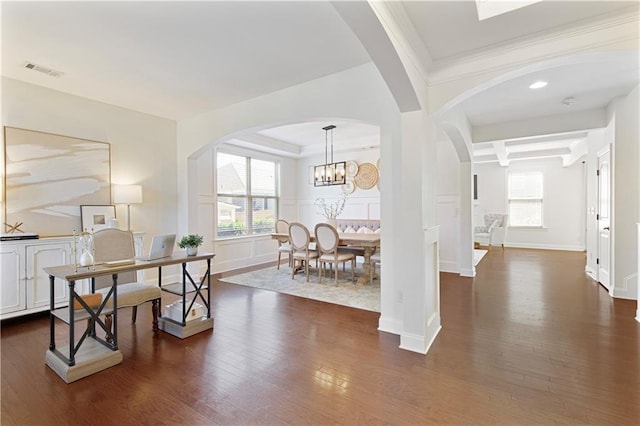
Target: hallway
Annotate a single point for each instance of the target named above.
(530, 340)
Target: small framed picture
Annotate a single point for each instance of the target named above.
(95, 218)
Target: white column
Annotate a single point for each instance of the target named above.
(638, 272)
(419, 234)
(467, 267)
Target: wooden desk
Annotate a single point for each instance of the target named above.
(91, 353)
(368, 242)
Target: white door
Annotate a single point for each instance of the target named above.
(604, 217)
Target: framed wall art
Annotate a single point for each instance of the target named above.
(48, 177)
(95, 218)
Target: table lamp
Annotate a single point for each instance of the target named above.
(127, 194)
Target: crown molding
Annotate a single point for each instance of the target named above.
(609, 31)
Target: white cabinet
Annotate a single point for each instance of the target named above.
(24, 286)
(37, 281)
(12, 287)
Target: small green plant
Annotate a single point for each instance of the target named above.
(192, 240)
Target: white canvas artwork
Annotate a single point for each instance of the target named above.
(48, 177)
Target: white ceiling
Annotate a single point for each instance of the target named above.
(180, 59)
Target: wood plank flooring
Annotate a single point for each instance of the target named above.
(530, 340)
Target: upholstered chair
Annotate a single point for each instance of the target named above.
(282, 227)
(300, 238)
(113, 244)
(494, 232)
(375, 258)
(327, 244)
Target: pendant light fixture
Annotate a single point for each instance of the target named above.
(329, 173)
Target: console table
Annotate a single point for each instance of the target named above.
(91, 353)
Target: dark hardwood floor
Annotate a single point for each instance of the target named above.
(530, 340)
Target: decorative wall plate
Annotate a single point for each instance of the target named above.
(352, 169)
(367, 176)
(349, 186)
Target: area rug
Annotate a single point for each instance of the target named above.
(346, 293)
(478, 255)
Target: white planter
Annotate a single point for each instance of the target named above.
(192, 251)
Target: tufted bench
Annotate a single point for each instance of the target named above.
(344, 224)
(358, 226)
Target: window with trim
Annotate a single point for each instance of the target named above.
(525, 197)
(247, 190)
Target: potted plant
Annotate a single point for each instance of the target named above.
(191, 242)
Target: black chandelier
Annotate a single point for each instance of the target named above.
(329, 173)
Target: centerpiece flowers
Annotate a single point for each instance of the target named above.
(331, 210)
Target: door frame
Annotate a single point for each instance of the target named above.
(609, 148)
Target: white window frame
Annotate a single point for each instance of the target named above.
(511, 199)
(248, 155)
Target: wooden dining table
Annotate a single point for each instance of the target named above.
(367, 242)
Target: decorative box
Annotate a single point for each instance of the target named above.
(174, 311)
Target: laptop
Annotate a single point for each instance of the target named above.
(161, 246)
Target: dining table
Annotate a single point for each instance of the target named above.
(367, 242)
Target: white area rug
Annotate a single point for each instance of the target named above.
(478, 255)
(346, 293)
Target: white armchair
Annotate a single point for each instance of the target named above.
(493, 233)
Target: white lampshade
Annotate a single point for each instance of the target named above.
(127, 194)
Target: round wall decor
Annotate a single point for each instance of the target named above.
(349, 186)
(352, 168)
(367, 176)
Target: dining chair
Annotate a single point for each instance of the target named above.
(375, 258)
(282, 227)
(114, 244)
(300, 238)
(327, 240)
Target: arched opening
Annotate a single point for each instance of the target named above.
(295, 147)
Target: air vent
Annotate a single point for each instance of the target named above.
(44, 70)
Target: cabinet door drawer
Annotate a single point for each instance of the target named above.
(42, 256)
(12, 284)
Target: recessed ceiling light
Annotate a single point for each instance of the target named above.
(538, 85)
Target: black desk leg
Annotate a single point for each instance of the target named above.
(72, 334)
(52, 306)
(208, 288)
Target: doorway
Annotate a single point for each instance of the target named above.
(603, 217)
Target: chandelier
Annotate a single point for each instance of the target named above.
(329, 173)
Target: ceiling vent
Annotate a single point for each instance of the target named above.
(44, 70)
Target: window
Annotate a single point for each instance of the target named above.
(525, 192)
(247, 191)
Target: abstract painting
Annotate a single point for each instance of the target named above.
(48, 177)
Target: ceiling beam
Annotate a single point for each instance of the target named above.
(501, 153)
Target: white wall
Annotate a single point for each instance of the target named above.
(597, 140)
(238, 252)
(133, 137)
(626, 209)
(359, 94)
(448, 200)
(564, 200)
(360, 204)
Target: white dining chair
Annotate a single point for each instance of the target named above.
(327, 240)
(375, 258)
(300, 238)
(282, 227)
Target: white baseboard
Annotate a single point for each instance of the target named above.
(390, 325)
(628, 289)
(545, 246)
(232, 265)
(449, 266)
(421, 344)
(468, 272)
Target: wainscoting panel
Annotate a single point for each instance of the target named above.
(240, 252)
